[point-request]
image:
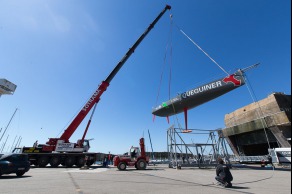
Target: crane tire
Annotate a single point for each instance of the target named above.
(20, 173)
(55, 161)
(69, 161)
(89, 162)
(43, 161)
(80, 162)
(122, 166)
(141, 164)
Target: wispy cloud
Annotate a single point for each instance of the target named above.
(32, 15)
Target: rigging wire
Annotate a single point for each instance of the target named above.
(253, 96)
(170, 72)
(202, 50)
(168, 50)
(170, 58)
(161, 75)
(169, 44)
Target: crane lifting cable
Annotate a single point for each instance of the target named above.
(168, 49)
(202, 50)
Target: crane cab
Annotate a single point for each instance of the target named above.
(85, 145)
(134, 152)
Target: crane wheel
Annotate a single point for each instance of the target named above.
(80, 162)
(34, 162)
(55, 161)
(122, 166)
(141, 164)
(43, 161)
(69, 161)
(20, 173)
(89, 162)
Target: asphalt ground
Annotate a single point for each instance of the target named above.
(156, 179)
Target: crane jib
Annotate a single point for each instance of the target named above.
(135, 45)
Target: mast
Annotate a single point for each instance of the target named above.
(8, 124)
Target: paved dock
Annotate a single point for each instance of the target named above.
(156, 179)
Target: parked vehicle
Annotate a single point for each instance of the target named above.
(14, 163)
(280, 155)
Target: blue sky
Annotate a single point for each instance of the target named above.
(58, 52)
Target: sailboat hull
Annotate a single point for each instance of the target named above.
(200, 95)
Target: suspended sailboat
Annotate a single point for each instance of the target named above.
(200, 95)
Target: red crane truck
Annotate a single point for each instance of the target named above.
(59, 150)
(136, 157)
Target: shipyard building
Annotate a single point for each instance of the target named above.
(253, 129)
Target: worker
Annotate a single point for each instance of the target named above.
(133, 153)
(105, 161)
(223, 174)
(270, 159)
(109, 158)
(200, 159)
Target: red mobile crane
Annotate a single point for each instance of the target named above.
(59, 150)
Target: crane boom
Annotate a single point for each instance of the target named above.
(132, 49)
(101, 88)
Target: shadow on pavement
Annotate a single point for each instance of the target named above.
(13, 177)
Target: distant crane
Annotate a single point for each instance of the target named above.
(152, 153)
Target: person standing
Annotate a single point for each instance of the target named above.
(109, 158)
(270, 159)
(200, 159)
(105, 161)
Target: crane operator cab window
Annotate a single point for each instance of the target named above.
(86, 145)
(134, 152)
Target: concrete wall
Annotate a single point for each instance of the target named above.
(249, 129)
(276, 105)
